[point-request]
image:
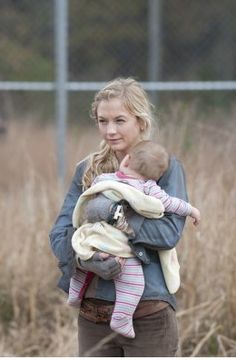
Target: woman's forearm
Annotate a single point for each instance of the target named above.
(164, 233)
(62, 231)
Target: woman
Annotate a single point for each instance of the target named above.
(123, 115)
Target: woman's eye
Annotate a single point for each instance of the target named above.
(102, 121)
(120, 120)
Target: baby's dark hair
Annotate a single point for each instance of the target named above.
(149, 159)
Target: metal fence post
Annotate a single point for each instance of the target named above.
(154, 43)
(61, 101)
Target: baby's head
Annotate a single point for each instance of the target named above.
(148, 159)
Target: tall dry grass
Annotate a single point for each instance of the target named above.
(34, 320)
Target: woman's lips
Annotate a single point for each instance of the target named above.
(113, 141)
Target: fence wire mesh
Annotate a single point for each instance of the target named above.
(154, 40)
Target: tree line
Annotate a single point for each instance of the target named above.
(108, 38)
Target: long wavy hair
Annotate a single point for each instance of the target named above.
(136, 101)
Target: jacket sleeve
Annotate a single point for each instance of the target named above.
(62, 231)
(164, 233)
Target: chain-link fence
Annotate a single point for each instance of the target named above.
(195, 38)
(155, 40)
(108, 38)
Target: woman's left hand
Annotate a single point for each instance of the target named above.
(104, 265)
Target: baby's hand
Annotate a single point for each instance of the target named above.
(195, 214)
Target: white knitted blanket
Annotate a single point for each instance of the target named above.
(89, 238)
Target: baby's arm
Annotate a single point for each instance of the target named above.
(173, 204)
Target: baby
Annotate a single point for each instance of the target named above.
(140, 169)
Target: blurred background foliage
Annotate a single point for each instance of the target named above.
(109, 38)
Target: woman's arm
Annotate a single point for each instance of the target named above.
(163, 233)
(62, 231)
(61, 234)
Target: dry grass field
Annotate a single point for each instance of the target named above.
(34, 320)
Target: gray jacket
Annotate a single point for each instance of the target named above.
(151, 235)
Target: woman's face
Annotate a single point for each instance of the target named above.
(119, 128)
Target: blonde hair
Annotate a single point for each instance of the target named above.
(149, 159)
(136, 101)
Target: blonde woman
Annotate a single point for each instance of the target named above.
(124, 117)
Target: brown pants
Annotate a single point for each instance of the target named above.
(156, 335)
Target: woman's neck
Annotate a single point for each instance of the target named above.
(120, 156)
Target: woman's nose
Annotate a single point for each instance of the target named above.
(111, 128)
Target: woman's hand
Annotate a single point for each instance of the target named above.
(102, 264)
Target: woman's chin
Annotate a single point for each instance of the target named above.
(117, 147)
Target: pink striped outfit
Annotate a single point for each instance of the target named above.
(150, 187)
(130, 283)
